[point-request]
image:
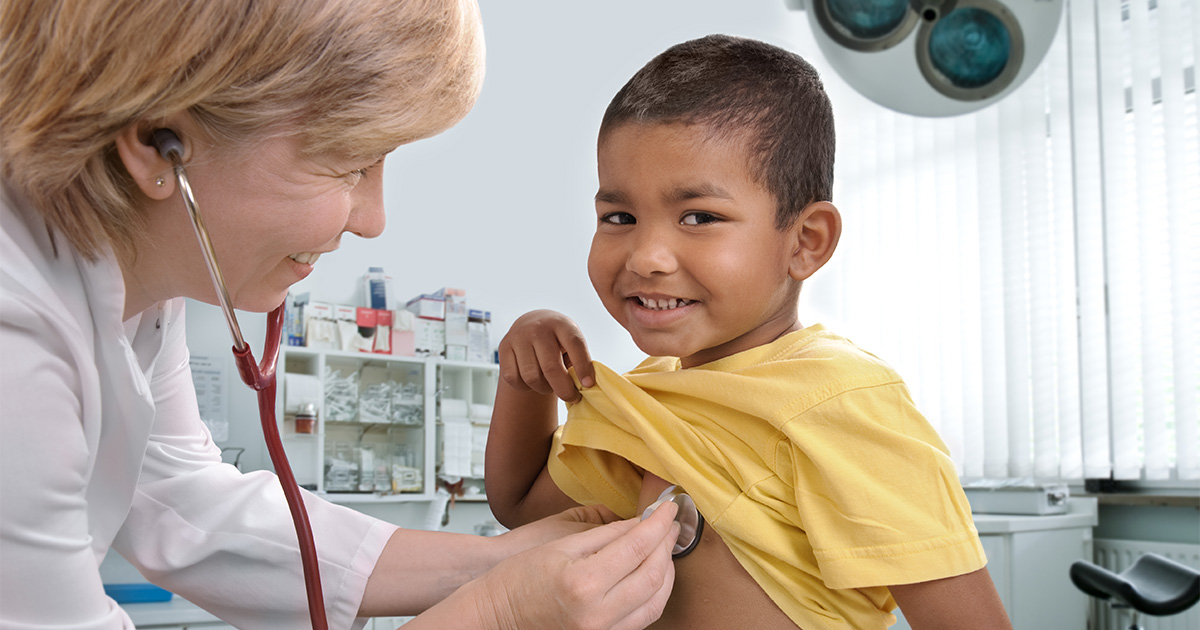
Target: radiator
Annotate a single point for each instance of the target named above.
(1118, 555)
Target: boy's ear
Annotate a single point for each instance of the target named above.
(142, 160)
(817, 231)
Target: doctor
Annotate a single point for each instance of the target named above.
(286, 109)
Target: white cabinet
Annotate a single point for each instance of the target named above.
(378, 429)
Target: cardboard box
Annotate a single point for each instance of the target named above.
(429, 336)
(320, 330)
(479, 344)
(383, 332)
(403, 336)
(347, 324)
(456, 352)
(428, 307)
(456, 324)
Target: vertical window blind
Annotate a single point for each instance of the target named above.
(1033, 269)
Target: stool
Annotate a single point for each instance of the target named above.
(1153, 585)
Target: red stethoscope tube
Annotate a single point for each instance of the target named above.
(260, 378)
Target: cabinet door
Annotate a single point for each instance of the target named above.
(1040, 584)
(997, 550)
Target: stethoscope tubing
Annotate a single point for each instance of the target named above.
(210, 256)
(259, 377)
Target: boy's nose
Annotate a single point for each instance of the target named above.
(651, 254)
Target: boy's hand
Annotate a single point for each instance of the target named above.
(537, 351)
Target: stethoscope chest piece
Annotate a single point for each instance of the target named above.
(691, 522)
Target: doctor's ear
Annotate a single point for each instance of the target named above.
(140, 149)
(816, 232)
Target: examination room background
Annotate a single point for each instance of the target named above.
(501, 204)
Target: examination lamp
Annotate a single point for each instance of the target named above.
(933, 57)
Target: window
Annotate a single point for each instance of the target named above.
(1033, 269)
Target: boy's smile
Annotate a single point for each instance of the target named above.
(686, 255)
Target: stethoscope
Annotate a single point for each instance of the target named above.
(259, 376)
(691, 521)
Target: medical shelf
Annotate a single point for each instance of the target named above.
(402, 440)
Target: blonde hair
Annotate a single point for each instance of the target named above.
(355, 78)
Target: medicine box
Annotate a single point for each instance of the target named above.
(428, 307)
(456, 324)
(429, 336)
(403, 336)
(320, 330)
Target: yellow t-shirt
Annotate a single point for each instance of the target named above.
(807, 455)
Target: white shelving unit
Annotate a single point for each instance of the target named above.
(409, 436)
(467, 391)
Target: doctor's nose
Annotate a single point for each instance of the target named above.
(367, 218)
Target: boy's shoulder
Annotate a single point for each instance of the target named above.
(815, 356)
(834, 351)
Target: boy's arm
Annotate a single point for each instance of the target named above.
(963, 601)
(534, 358)
(519, 487)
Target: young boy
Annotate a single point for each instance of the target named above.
(817, 476)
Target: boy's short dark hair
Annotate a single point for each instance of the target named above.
(733, 86)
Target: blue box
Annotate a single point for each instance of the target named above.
(137, 593)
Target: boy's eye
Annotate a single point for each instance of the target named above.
(618, 218)
(698, 218)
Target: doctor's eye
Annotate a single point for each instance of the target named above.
(699, 218)
(359, 174)
(618, 218)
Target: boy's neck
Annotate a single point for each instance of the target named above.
(703, 358)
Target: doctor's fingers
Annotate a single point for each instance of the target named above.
(627, 579)
(645, 591)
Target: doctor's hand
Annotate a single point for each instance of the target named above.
(615, 576)
(537, 351)
(551, 528)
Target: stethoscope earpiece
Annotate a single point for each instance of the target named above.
(168, 144)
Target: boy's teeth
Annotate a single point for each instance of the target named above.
(305, 258)
(663, 305)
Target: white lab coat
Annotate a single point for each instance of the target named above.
(101, 445)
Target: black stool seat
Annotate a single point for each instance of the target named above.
(1153, 585)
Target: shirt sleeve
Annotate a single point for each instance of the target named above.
(878, 495)
(51, 575)
(225, 540)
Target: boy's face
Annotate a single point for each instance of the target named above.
(686, 254)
